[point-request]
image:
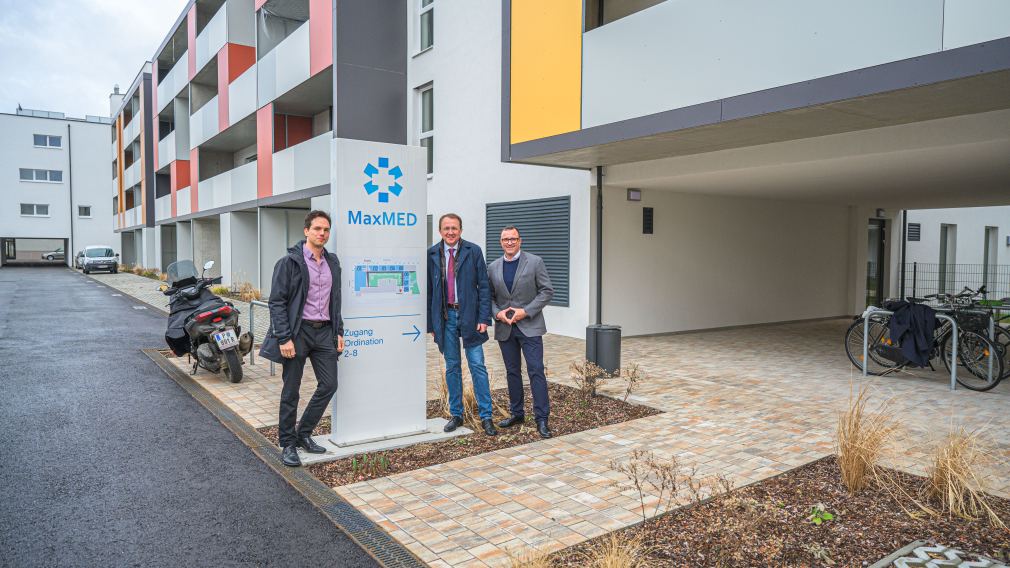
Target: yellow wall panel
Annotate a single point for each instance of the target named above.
(546, 68)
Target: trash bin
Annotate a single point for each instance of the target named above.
(603, 346)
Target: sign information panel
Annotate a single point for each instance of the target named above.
(378, 205)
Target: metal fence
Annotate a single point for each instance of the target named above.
(932, 278)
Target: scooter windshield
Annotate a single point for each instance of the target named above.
(181, 270)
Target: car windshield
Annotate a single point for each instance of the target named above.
(99, 253)
(180, 271)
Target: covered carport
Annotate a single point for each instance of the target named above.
(21, 251)
(774, 205)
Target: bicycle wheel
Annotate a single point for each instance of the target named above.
(879, 338)
(974, 353)
(1001, 337)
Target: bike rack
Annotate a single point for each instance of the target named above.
(873, 311)
(252, 312)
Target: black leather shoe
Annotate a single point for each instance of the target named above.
(545, 431)
(289, 456)
(452, 424)
(511, 421)
(306, 443)
(488, 425)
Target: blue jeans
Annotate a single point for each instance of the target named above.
(454, 370)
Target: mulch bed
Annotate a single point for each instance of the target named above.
(731, 530)
(570, 413)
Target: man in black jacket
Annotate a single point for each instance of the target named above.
(305, 323)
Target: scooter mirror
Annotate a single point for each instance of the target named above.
(209, 265)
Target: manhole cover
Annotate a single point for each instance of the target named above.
(922, 554)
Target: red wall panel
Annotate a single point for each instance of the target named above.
(320, 35)
(265, 151)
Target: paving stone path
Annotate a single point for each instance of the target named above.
(748, 403)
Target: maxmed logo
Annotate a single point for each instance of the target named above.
(383, 181)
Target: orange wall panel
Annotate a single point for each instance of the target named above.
(546, 68)
(265, 151)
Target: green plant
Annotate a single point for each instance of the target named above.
(819, 514)
(220, 290)
(369, 465)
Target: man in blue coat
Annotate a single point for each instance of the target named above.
(459, 308)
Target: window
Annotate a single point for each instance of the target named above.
(34, 210)
(427, 24)
(47, 141)
(914, 231)
(427, 130)
(84, 211)
(29, 174)
(545, 228)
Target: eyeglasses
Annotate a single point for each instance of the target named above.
(510, 240)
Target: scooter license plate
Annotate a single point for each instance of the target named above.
(226, 339)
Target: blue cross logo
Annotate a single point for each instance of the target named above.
(383, 190)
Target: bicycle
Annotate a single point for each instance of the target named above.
(979, 355)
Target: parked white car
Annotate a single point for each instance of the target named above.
(100, 258)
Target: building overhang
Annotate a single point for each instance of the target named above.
(957, 82)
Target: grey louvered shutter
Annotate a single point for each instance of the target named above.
(545, 227)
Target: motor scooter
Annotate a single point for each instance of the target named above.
(203, 325)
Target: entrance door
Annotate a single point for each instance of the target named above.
(876, 239)
(10, 251)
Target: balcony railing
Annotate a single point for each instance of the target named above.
(167, 150)
(182, 202)
(132, 175)
(132, 217)
(212, 38)
(234, 186)
(242, 96)
(174, 82)
(303, 165)
(163, 207)
(285, 67)
(132, 130)
(203, 124)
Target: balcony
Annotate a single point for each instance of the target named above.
(303, 165)
(203, 124)
(173, 83)
(131, 176)
(234, 186)
(163, 208)
(242, 96)
(284, 67)
(182, 202)
(115, 187)
(132, 218)
(212, 38)
(166, 151)
(132, 130)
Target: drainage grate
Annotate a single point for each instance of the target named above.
(369, 536)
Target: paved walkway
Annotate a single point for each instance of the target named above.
(747, 403)
(107, 463)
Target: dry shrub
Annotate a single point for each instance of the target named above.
(954, 481)
(246, 292)
(733, 532)
(618, 550)
(588, 377)
(531, 558)
(471, 412)
(632, 376)
(137, 269)
(672, 484)
(861, 438)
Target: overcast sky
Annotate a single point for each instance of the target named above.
(66, 55)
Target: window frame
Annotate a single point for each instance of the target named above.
(35, 210)
(425, 9)
(49, 141)
(426, 135)
(34, 178)
(81, 215)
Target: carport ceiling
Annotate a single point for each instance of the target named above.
(951, 162)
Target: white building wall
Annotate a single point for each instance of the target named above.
(680, 53)
(207, 244)
(971, 223)
(465, 68)
(92, 176)
(239, 255)
(722, 261)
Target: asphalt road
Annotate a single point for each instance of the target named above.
(105, 461)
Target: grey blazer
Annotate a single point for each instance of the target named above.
(531, 291)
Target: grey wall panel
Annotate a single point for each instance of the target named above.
(545, 228)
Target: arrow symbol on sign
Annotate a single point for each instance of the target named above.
(416, 333)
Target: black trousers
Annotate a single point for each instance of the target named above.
(316, 345)
(532, 348)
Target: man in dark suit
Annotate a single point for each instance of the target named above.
(459, 308)
(305, 324)
(520, 289)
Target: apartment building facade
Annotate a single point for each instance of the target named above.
(244, 105)
(755, 158)
(55, 181)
